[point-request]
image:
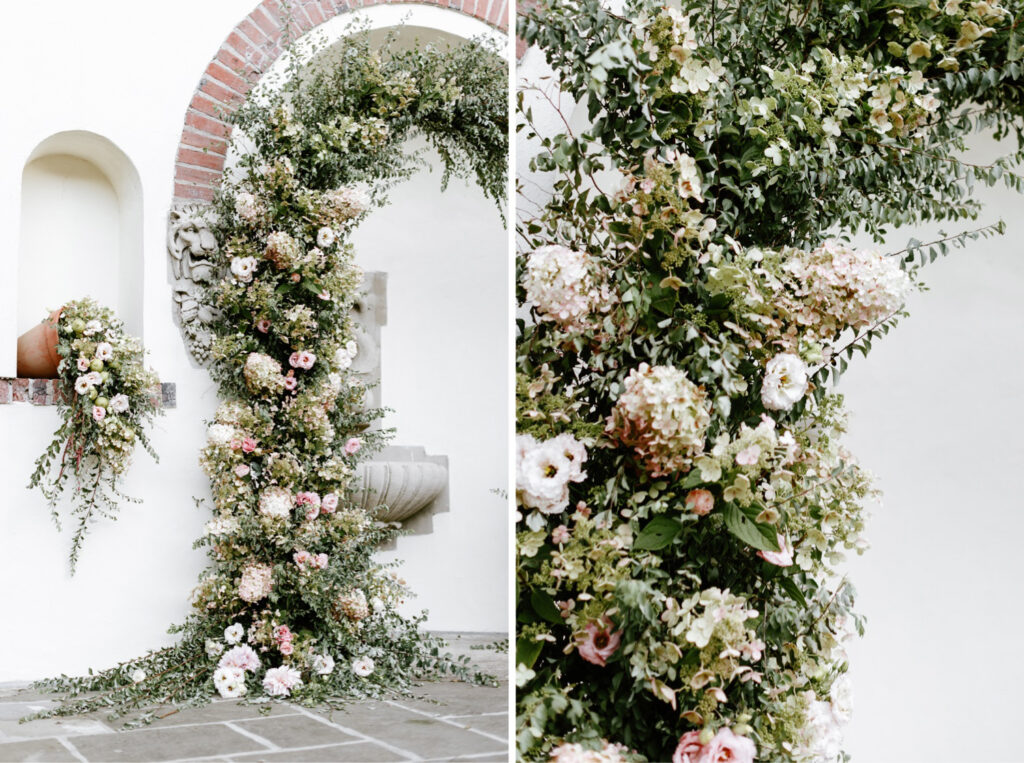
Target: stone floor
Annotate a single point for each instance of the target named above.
(450, 721)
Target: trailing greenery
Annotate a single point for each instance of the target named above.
(293, 603)
(684, 495)
(106, 400)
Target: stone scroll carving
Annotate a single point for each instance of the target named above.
(192, 246)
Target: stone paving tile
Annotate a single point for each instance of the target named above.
(12, 731)
(420, 734)
(48, 750)
(358, 752)
(165, 744)
(295, 731)
(495, 725)
(451, 698)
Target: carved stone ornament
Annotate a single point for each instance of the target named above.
(402, 481)
(192, 246)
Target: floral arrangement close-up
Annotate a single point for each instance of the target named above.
(108, 399)
(294, 604)
(689, 295)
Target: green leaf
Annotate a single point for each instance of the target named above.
(544, 606)
(790, 587)
(658, 533)
(760, 536)
(527, 651)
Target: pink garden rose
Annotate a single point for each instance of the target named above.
(248, 445)
(329, 503)
(727, 747)
(599, 643)
(286, 648)
(241, 470)
(689, 749)
(303, 360)
(283, 633)
(312, 513)
(700, 502)
(353, 445)
(307, 497)
(302, 557)
(242, 657)
(235, 443)
(781, 558)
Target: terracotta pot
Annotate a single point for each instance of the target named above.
(37, 350)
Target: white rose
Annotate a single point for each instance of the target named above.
(362, 666)
(324, 237)
(119, 403)
(242, 268)
(785, 382)
(233, 633)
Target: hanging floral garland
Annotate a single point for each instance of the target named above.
(684, 498)
(293, 603)
(107, 398)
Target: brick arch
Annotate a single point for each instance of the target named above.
(245, 55)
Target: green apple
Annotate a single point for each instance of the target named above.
(96, 365)
(78, 325)
(93, 393)
(102, 402)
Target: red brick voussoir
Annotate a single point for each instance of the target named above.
(248, 51)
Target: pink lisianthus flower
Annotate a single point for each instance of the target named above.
(248, 445)
(98, 413)
(700, 502)
(329, 503)
(599, 642)
(781, 558)
(263, 325)
(689, 750)
(303, 360)
(83, 364)
(241, 470)
(353, 445)
(290, 382)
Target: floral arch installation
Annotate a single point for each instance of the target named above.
(293, 603)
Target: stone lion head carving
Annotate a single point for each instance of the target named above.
(191, 245)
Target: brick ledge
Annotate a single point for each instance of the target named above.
(45, 392)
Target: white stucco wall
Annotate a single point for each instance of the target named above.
(444, 373)
(935, 414)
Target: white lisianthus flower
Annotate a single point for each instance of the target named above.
(324, 237)
(119, 403)
(214, 648)
(138, 676)
(230, 682)
(243, 268)
(82, 385)
(362, 666)
(785, 382)
(233, 633)
(92, 327)
(322, 664)
(104, 351)
(842, 699)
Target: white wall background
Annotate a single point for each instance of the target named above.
(127, 71)
(936, 414)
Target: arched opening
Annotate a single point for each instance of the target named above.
(81, 229)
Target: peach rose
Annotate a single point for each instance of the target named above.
(700, 502)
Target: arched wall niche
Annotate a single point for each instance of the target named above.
(81, 229)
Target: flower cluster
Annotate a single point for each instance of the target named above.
(545, 469)
(663, 416)
(566, 286)
(108, 397)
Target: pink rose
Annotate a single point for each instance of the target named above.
(307, 497)
(599, 643)
(283, 633)
(248, 445)
(560, 534)
(241, 470)
(749, 456)
(329, 503)
(263, 325)
(286, 648)
(303, 360)
(690, 749)
(353, 445)
(727, 747)
(700, 502)
(98, 413)
(312, 513)
(236, 444)
(781, 558)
